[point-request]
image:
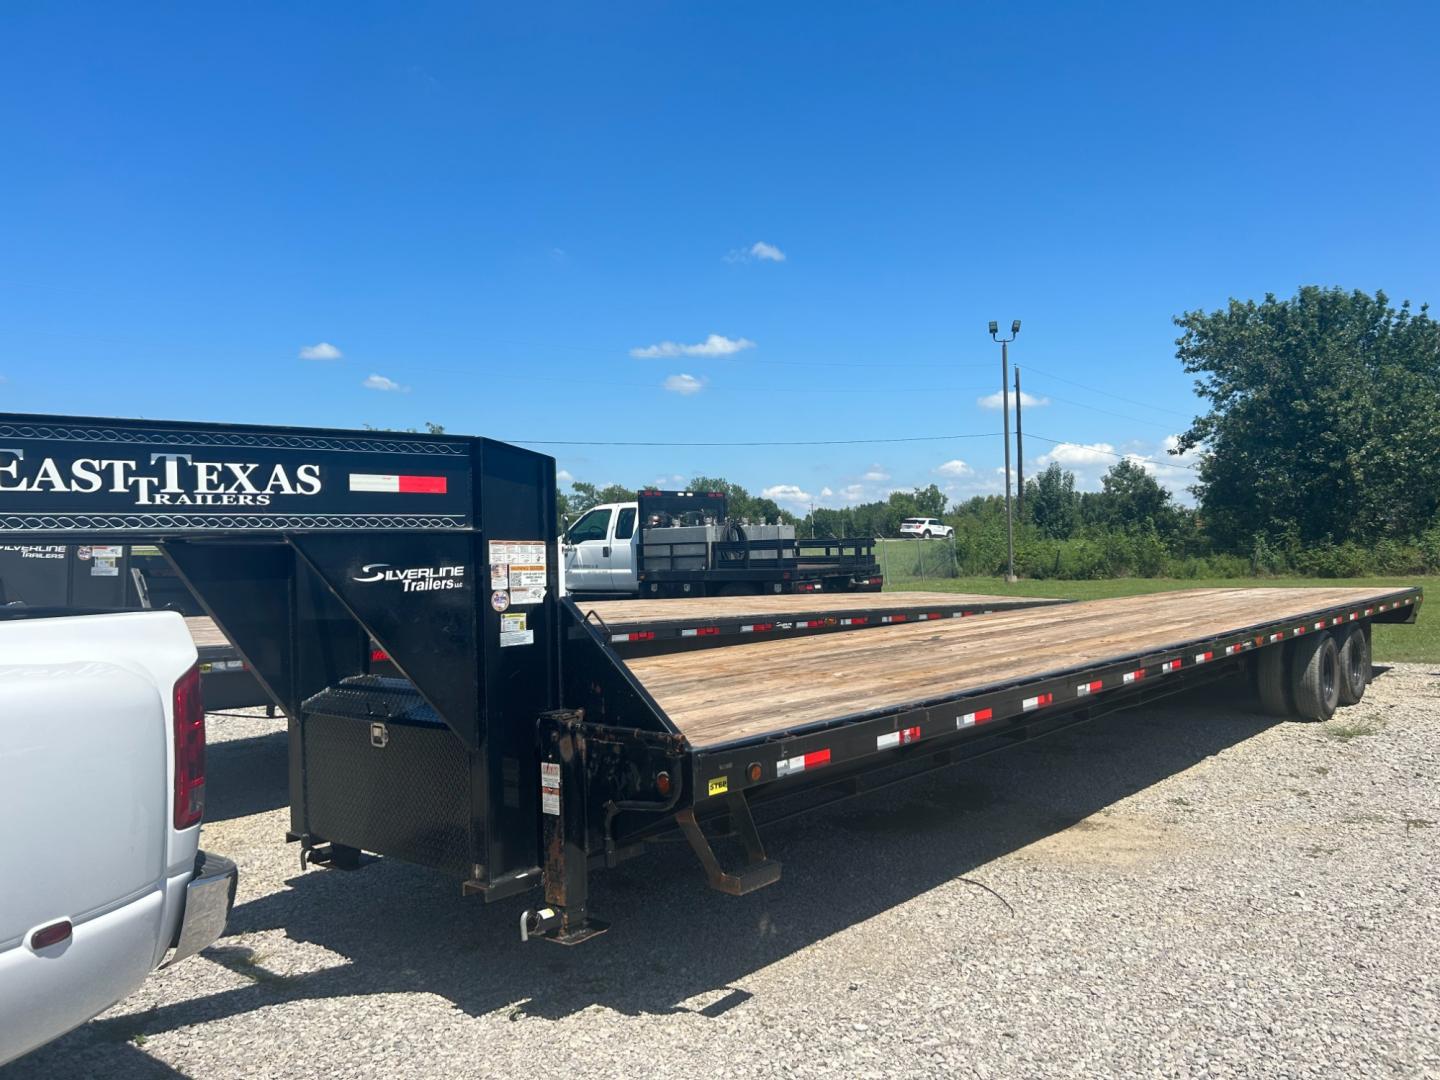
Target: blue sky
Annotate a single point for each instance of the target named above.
(488, 211)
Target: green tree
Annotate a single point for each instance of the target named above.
(1130, 498)
(740, 503)
(1324, 417)
(1053, 503)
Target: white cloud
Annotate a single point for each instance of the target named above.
(380, 382)
(321, 350)
(954, 468)
(995, 401)
(825, 492)
(791, 496)
(759, 251)
(1079, 455)
(563, 476)
(683, 384)
(713, 346)
(876, 475)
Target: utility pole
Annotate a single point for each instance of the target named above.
(1019, 453)
(1005, 405)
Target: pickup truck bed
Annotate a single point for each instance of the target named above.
(727, 695)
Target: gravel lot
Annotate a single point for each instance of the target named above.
(1182, 890)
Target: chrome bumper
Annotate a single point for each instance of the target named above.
(208, 899)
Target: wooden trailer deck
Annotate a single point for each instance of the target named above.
(731, 693)
(205, 633)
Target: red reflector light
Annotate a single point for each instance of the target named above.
(51, 935)
(662, 783)
(189, 721)
(762, 626)
(706, 630)
(378, 656)
(898, 618)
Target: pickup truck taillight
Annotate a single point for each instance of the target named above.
(189, 750)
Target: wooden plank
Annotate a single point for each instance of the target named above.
(729, 693)
(689, 611)
(204, 632)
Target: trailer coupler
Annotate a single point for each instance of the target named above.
(758, 870)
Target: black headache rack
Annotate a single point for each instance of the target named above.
(740, 560)
(518, 749)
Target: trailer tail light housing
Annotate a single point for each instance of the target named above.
(189, 721)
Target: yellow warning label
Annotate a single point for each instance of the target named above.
(720, 785)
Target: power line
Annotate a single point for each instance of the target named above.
(1111, 453)
(1108, 412)
(798, 442)
(1107, 393)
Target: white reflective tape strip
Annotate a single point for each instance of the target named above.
(689, 633)
(1276, 637)
(374, 482)
(1131, 676)
(1169, 666)
(1082, 689)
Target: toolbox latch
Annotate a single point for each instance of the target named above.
(379, 735)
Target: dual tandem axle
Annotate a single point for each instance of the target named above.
(527, 742)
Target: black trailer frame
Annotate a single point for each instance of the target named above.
(518, 749)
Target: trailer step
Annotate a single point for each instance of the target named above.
(758, 870)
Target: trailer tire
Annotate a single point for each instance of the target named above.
(1315, 677)
(1272, 680)
(1354, 664)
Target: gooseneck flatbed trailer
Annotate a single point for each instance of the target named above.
(525, 744)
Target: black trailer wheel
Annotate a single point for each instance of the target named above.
(1272, 680)
(1354, 664)
(1315, 677)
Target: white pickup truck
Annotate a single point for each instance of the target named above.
(102, 787)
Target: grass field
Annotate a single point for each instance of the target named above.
(1419, 643)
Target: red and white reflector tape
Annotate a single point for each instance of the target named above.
(1084, 689)
(1321, 625)
(406, 485)
(634, 635)
(1037, 702)
(860, 621)
(1276, 637)
(756, 628)
(812, 760)
(1204, 657)
(1169, 666)
(1133, 676)
(970, 719)
(700, 631)
(897, 738)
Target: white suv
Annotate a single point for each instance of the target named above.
(925, 528)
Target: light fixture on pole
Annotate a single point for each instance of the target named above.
(1005, 406)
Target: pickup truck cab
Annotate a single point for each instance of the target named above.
(925, 528)
(599, 550)
(102, 788)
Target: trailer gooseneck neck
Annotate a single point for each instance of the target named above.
(526, 744)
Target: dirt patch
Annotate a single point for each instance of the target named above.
(1107, 840)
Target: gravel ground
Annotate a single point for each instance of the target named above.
(1182, 890)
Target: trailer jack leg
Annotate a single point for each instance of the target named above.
(758, 870)
(565, 918)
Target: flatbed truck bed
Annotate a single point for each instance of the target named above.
(522, 747)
